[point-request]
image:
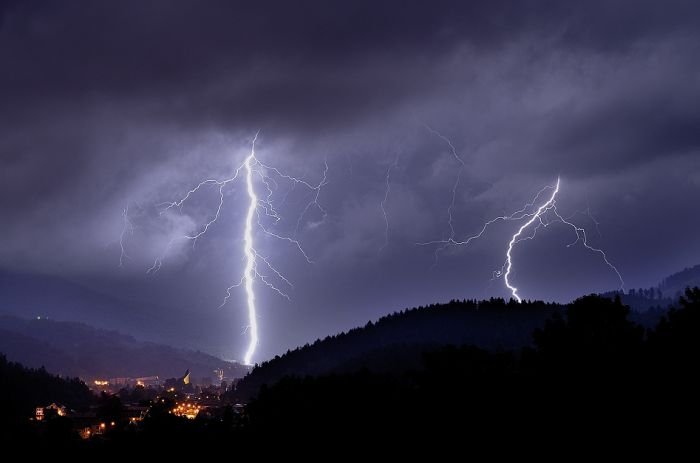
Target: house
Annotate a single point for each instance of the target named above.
(42, 413)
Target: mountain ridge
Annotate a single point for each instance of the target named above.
(77, 349)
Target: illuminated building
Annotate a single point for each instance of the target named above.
(187, 409)
(42, 413)
(148, 381)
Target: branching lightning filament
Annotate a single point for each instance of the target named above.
(455, 186)
(382, 204)
(127, 228)
(259, 206)
(535, 217)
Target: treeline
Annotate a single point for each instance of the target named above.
(675, 284)
(590, 364)
(650, 303)
(22, 389)
(395, 342)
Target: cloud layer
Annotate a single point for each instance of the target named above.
(106, 105)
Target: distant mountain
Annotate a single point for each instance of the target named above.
(76, 349)
(396, 342)
(57, 298)
(26, 295)
(649, 304)
(674, 285)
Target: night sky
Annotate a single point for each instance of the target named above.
(109, 104)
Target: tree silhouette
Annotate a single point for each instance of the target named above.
(594, 335)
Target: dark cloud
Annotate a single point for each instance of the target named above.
(114, 103)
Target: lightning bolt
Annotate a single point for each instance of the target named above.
(537, 216)
(260, 207)
(250, 271)
(127, 228)
(450, 219)
(581, 237)
(382, 204)
(515, 239)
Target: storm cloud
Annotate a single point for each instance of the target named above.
(109, 104)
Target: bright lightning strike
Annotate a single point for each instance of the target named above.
(260, 207)
(536, 216)
(250, 255)
(581, 237)
(515, 239)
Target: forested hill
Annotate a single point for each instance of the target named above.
(22, 389)
(649, 304)
(397, 341)
(674, 285)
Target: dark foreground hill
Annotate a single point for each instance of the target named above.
(75, 349)
(396, 342)
(591, 374)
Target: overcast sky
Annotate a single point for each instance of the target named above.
(109, 104)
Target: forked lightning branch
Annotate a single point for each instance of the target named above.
(259, 206)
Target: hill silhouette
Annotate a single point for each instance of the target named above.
(591, 371)
(396, 342)
(57, 298)
(24, 388)
(675, 285)
(649, 305)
